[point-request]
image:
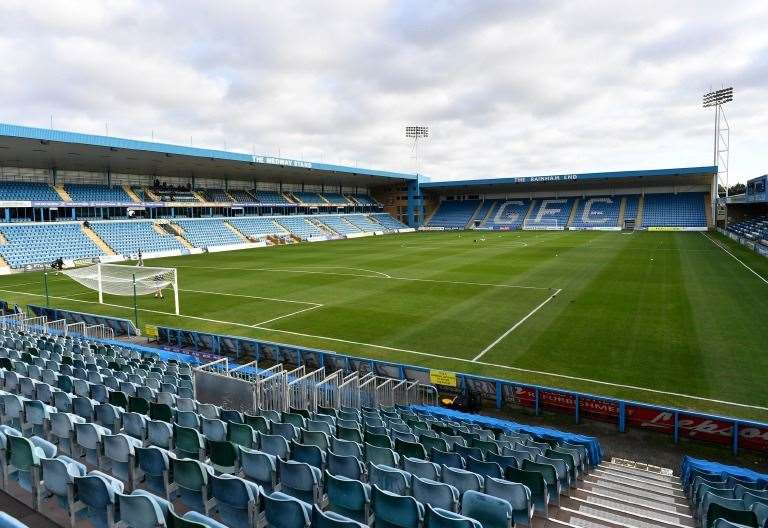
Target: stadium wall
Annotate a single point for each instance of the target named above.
(757, 247)
(625, 414)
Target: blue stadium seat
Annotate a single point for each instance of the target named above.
(674, 210)
(454, 214)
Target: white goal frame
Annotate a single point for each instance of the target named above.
(149, 279)
(544, 224)
(174, 282)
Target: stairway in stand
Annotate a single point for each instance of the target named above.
(622, 494)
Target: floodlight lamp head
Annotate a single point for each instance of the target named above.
(416, 132)
(718, 97)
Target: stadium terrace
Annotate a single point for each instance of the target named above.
(317, 346)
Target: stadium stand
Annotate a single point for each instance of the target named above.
(674, 210)
(336, 199)
(454, 214)
(484, 210)
(597, 211)
(549, 212)
(119, 434)
(257, 226)
(215, 195)
(271, 197)
(389, 223)
(752, 228)
(126, 238)
(725, 496)
(309, 198)
(208, 232)
(26, 191)
(364, 199)
(299, 226)
(363, 223)
(97, 193)
(241, 196)
(510, 214)
(339, 224)
(44, 243)
(175, 195)
(630, 211)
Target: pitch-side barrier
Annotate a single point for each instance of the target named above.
(367, 382)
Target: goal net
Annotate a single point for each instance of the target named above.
(116, 279)
(543, 224)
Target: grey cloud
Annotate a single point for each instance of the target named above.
(508, 87)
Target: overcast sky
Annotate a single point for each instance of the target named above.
(508, 88)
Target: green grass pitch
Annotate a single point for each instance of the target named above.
(669, 318)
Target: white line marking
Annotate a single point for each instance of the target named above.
(252, 297)
(519, 369)
(288, 315)
(415, 352)
(379, 273)
(718, 244)
(280, 270)
(514, 327)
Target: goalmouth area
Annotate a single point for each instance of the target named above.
(667, 318)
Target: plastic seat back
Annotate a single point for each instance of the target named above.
(438, 494)
(348, 497)
(442, 518)
(389, 479)
(492, 512)
(392, 510)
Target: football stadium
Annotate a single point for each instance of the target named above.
(194, 337)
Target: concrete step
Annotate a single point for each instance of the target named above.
(96, 239)
(130, 192)
(637, 480)
(236, 231)
(651, 475)
(598, 485)
(633, 510)
(674, 508)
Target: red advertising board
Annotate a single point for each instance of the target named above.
(694, 427)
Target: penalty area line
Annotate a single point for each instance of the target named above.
(297, 312)
(514, 327)
(425, 354)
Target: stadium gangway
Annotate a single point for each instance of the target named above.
(57, 327)
(328, 390)
(33, 324)
(349, 391)
(236, 388)
(420, 394)
(368, 394)
(272, 389)
(11, 320)
(247, 372)
(401, 391)
(99, 331)
(76, 328)
(303, 390)
(385, 392)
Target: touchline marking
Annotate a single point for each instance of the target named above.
(718, 244)
(519, 369)
(514, 327)
(280, 270)
(415, 352)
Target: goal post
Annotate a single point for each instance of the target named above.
(119, 279)
(543, 224)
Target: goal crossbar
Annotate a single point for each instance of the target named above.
(118, 279)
